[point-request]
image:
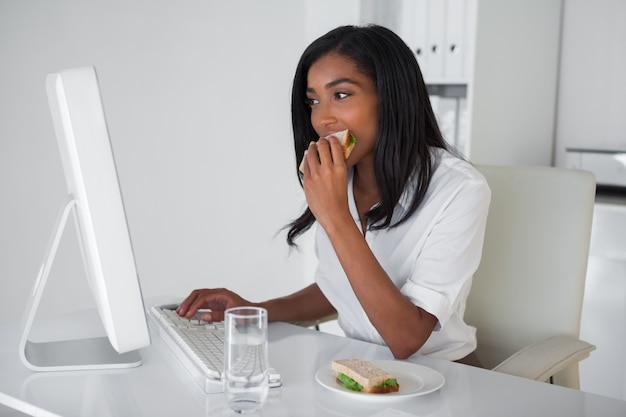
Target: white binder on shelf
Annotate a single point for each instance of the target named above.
(436, 30)
(413, 28)
(455, 39)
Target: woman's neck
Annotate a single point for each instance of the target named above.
(365, 191)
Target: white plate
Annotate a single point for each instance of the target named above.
(414, 380)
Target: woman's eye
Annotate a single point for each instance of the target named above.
(311, 101)
(341, 95)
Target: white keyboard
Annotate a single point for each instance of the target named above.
(198, 345)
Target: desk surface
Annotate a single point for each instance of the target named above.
(159, 388)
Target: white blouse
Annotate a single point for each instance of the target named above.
(431, 257)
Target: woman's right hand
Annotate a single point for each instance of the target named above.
(325, 182)
(216, 300)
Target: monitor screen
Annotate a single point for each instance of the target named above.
(96, 200)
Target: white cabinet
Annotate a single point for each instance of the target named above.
(608, 166)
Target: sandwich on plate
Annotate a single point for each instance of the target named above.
(363, 376)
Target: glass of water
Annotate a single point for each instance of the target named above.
(245, 358)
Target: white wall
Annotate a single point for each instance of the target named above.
(178, 78)
(514, 90)
(197, 95)
(592, 93)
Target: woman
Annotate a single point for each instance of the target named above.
(401, 220)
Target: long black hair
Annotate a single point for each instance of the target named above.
(407, 128)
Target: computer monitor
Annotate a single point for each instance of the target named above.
(95, 199)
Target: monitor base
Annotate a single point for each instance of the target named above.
(66, 355)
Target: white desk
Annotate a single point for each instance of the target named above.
(159, 389)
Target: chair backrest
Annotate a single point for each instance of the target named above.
(531, 279)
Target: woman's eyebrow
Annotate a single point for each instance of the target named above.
(334, 83)
(340, 81)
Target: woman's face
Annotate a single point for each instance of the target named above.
(341, 97)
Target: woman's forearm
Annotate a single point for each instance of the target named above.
(403, 326)
(305, 305)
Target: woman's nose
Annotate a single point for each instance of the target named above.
(325, 116)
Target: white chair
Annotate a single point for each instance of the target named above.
(526, 297)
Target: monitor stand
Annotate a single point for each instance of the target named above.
(65, 355)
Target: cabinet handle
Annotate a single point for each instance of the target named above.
(453, 48)
(434, 49)
(418, 51)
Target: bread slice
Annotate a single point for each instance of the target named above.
(346, 140)
(369, 376)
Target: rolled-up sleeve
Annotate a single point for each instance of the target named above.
(443, 268)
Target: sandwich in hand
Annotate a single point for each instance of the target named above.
(363, 376)
(346, 140)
